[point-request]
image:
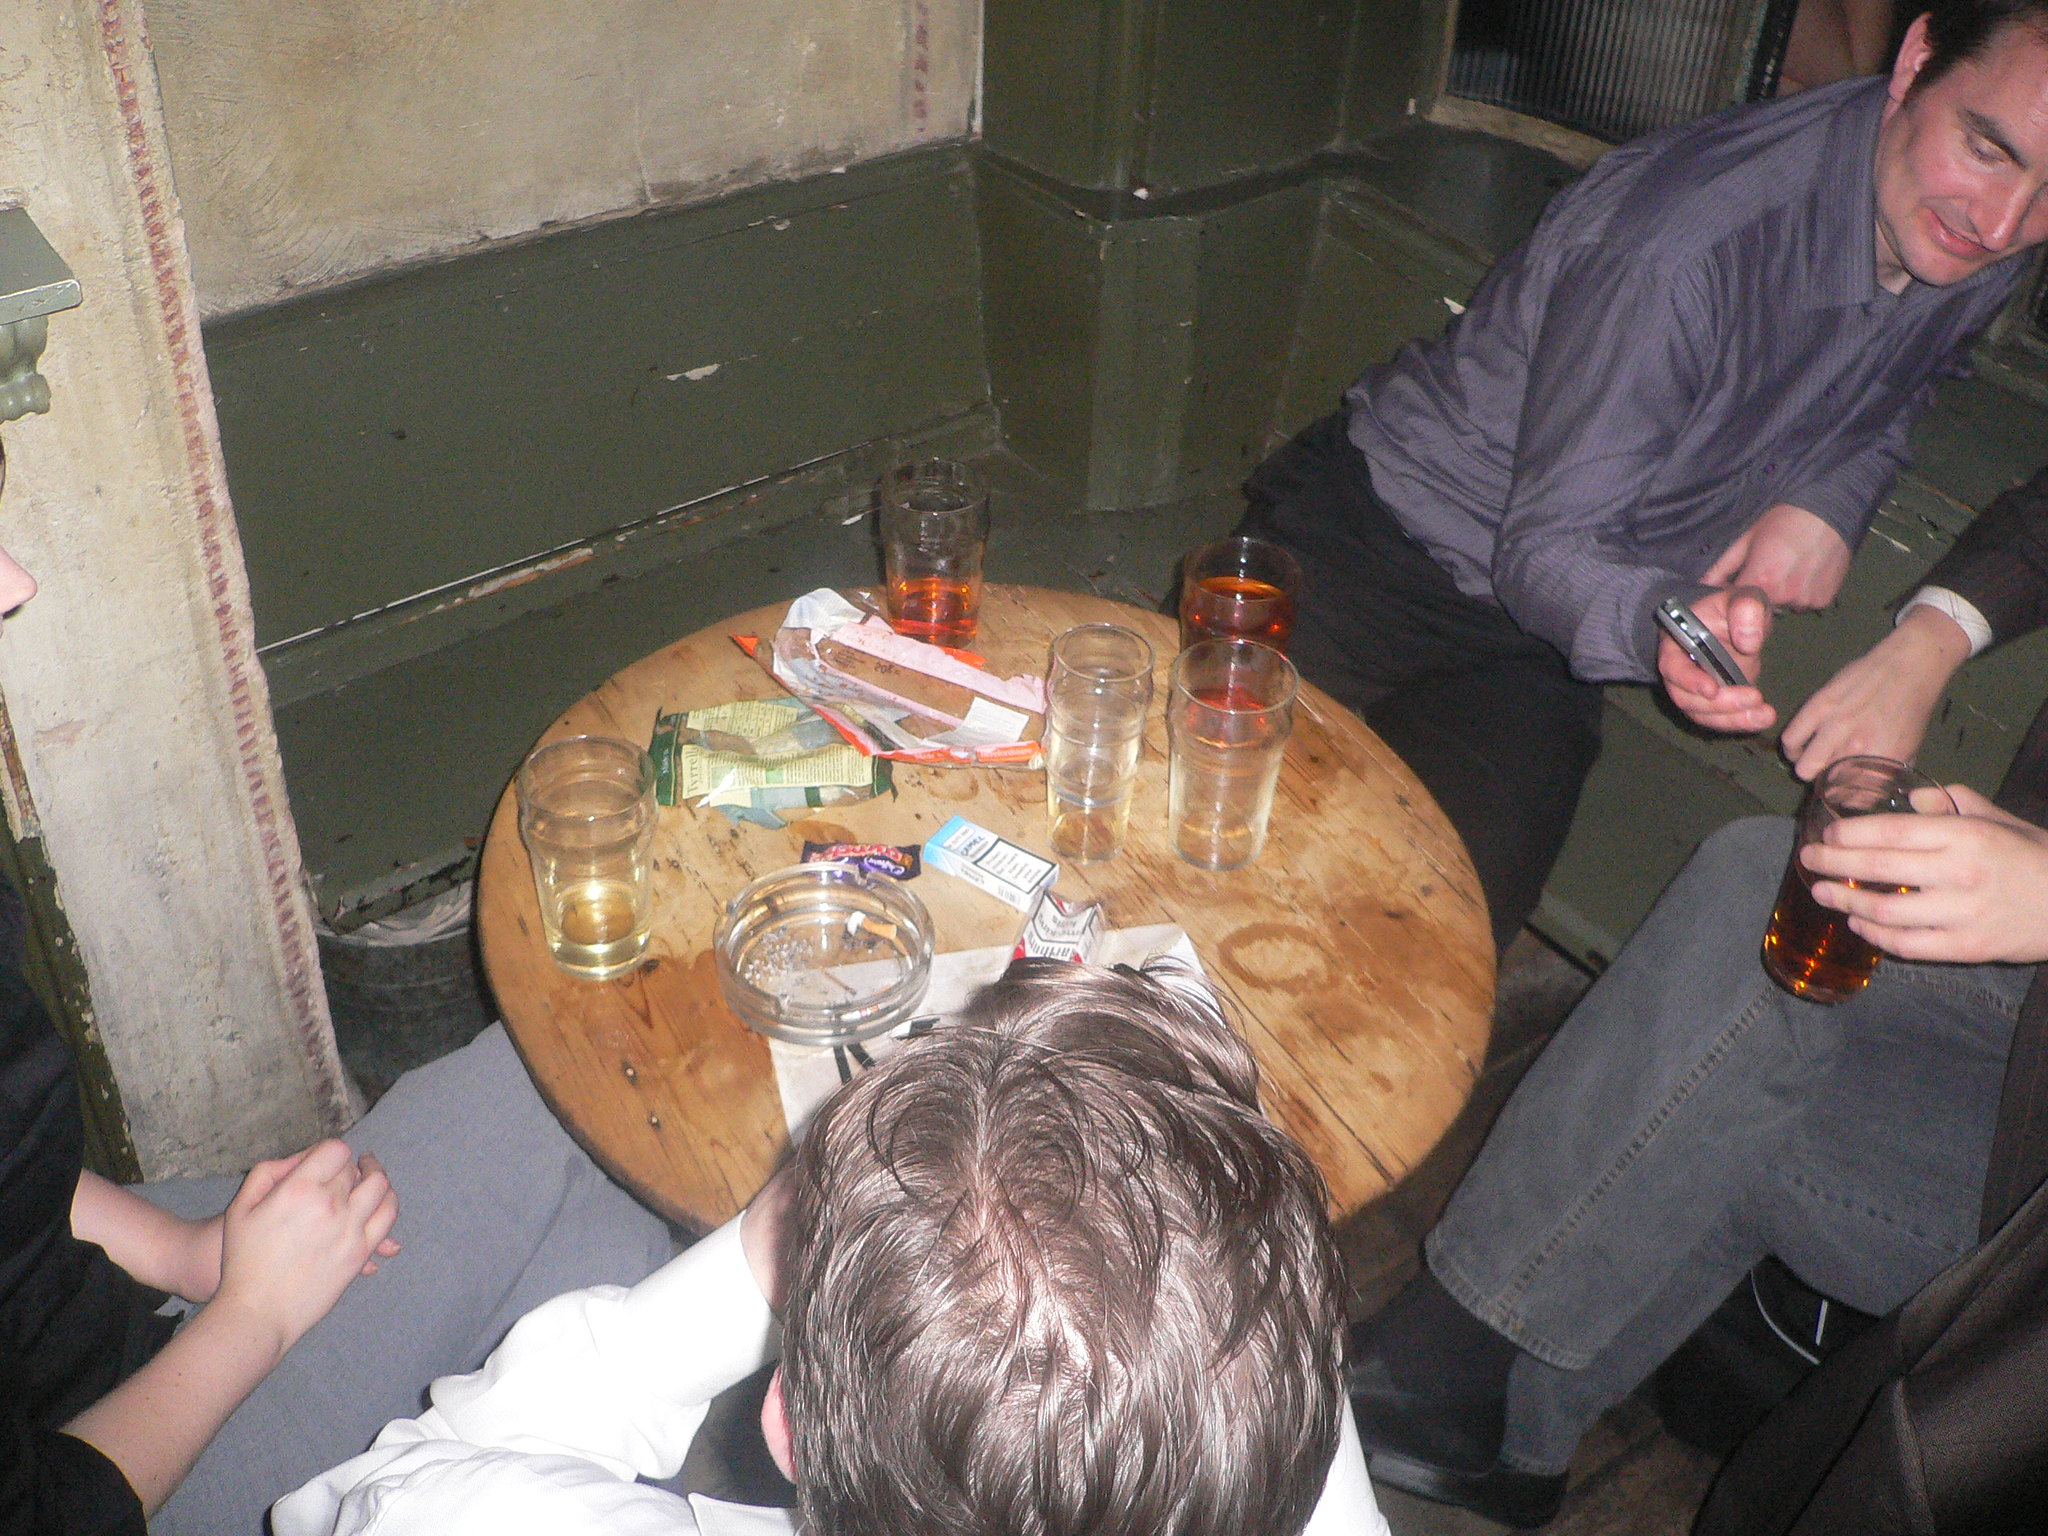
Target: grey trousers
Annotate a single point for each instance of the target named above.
(499, 1210)
(1691, 1117)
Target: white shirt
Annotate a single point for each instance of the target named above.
(599, 1387)
(1966, 615)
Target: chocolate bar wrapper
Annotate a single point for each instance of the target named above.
(899, 861)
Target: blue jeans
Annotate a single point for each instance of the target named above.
(1691, 1117)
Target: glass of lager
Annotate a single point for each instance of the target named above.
(1228, 716)
(586, 815)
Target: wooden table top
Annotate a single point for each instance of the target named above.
(1355, 951)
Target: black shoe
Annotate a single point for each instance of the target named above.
(1446, 1450)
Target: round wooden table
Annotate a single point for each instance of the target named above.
(1355, 951)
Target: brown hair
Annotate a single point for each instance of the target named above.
(1963, 29)
(1050, 1272)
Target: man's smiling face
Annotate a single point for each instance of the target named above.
(1962, 162)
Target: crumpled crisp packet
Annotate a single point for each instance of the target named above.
(893, 696)
(768, 761)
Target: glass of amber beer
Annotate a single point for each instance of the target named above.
(1809, 949)
(934, 531)
(1239, 589)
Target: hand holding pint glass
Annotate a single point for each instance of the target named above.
(1810, 950)
(586, 815)
(1097, 696)
(1227, 722)
(934, 533)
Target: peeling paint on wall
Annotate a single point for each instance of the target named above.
(319, 140)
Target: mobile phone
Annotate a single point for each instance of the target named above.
(1699, 642)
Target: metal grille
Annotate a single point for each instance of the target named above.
(1617, 68)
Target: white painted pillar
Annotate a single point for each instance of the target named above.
(141, 714)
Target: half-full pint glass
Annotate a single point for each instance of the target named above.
(1239, 587)
(1227, 720)
(586, 814)
(1097, 694)
(1809, 949)
(934, 531)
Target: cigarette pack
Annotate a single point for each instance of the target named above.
(975, 854)
(1058, 929)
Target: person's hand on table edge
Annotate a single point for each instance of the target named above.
(1979, 882)
(1880, 703)
(1740, 618)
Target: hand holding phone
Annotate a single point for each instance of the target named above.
(1703, 671)
(1700, 643)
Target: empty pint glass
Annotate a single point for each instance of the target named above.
(1097, 695)
(1227, 721)
(586, 814)
(934, 531)
(1809, 949)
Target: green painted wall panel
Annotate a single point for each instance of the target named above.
(1474, 193)
(1644, 809)
(1137, 360)
(1177, 95)
(1241, 88)
(1144, 361)
(1255, 263)
(1042, 289)
(1394, 55)
(1060, 83)
(1981, 441)
(394, 777)
(394, 437)
(1376, 281)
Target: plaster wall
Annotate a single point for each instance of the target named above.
(141, 753)
(316, 141)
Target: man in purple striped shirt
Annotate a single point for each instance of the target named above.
(1694, 380)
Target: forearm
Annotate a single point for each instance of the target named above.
(157, 1248)
(1928, 646)
(1883, 700)
(620, 1377)
(154, 1425)
(1597, 611)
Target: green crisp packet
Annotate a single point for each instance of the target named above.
(761, 760)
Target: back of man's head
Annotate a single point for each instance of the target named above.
(1050, 1272)
(1964, 29)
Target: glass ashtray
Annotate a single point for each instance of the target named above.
(824, 954)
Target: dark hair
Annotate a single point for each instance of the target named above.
(1051, 1272)
(1962, 29)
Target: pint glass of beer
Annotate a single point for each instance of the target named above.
(934, 532)
(1239, 588)
(1228, 715)
(1810, 949)
(586, 815)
